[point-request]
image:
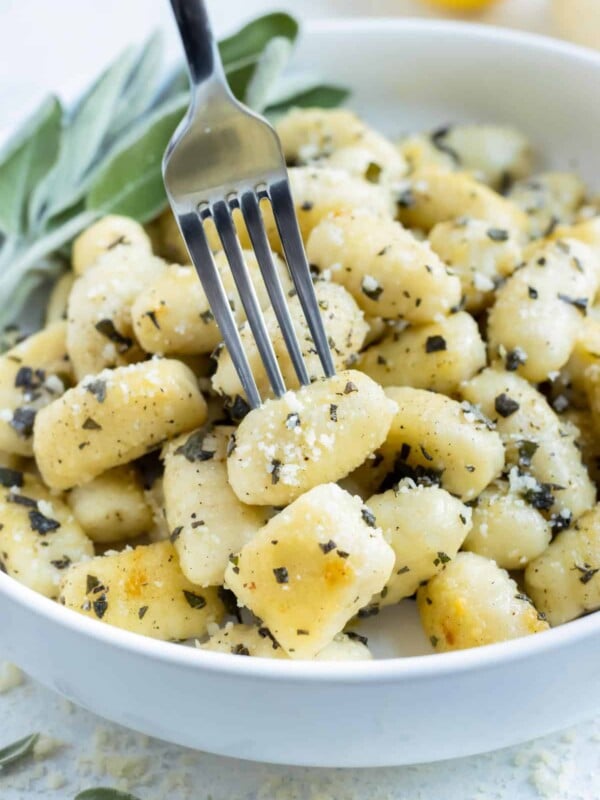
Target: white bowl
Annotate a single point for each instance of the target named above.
(396, 710)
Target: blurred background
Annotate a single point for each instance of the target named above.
(63, 44)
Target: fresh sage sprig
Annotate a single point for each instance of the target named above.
(65, 167)
(18, 750)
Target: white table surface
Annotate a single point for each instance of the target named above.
(63, 43)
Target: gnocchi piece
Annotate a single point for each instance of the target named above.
(564, 582)
(248, 640)
(207, 520)
(479, 254)
(496, 154)
(388, 272)
(100, 330)
(537, 315)
(32, 374)
(434, 196)
(315, 435)
(143, 591)
(420, 152)
(112, 233)
(39, 536)
(437, 356)
(507, 529)
(547, 199)
(113, 418)
(473, 602)
(345, 328)
(547, 469)
(425, 526)
(311, 568)
(436, 439)
(338, 137)
(112, 507)
(59, 298)
(172, 314)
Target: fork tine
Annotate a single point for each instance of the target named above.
(289, 233)
(193, 233)
(254, 223)
(221, 215)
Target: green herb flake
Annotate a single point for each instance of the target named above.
(194, 600)
(22, 422)
(497, 234)
(106, 327)
(193, 449)
(505, 405)
(281, 574)
(18, 750)
(10, 478)
(91, 425)
(435, 344)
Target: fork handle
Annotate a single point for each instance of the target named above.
(202, 53)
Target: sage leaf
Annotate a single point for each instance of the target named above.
(18, 750)
(131, 181)
(322, 96)
(269, 67)
(83, 135)
(248, 43)
(104, 794)
(26, 163)
(142, 88)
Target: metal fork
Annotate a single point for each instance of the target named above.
(224, 157)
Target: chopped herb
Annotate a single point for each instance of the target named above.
(193, 450)
(29, 379)
(526, 451)
(505, 405)
(237, 408)
(22, 421)
(540, 497)
(422, 476)
(240, 650)
(152, 317)
(22, 500)
(229, 601)
(302, 632)
(425, 454)
(61, 563)
(497, 234)
(106, 327)
(333, 412)
(142, 611)
(327, 547)
(350, 387)
(198, 523)
(373, 172)
(10, 478)
(356, 637)
(274, 470)
(434, 641)
(91, 425)
(100, 605)
(368, 516)
(383, 250)
(587, 572)
(437, 139)
(462, 518)
(307, 206)
(194, 600)
(207, 316)
(235, 560)
(42, 524)
(266, 634)
(560, 521)
(371, 288)
(435, 344)
(231, 444)
(92, 583)
(292, 421)
(552, 225)
(369, 611)
(176, 533)
(281, 574)
(579, 302)
(403, 570)
(442, 558)
(149, 467)
(514, 359)
(533, 293)
(97, 388)
(343, 554)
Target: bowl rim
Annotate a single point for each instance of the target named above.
(425, 667)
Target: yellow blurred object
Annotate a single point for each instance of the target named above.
(461, 5)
